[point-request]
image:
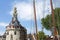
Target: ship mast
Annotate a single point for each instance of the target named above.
(53, 20)
(35, 19)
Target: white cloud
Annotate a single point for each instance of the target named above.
(3, 24)
(2, 27)
(1, 33)
(25, 10)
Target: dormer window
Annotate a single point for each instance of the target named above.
(7, 33)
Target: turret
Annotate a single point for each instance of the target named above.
(15, 31)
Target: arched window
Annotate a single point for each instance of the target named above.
(11, 37)
(15, 33)
(13, 26)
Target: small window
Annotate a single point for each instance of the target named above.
(15, 32)
(11, 36)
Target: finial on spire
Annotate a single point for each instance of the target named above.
(15, 12)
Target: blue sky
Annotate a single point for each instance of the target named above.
(25, 13)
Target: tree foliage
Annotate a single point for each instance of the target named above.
(47, 21)
(41, 35)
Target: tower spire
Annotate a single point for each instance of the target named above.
(15, 14)
(14, 18)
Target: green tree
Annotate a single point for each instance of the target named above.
(41, 35)
(47, 21)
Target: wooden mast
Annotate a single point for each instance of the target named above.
(53, 20)
(35, 19)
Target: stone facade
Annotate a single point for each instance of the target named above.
(3, 37)
(16, 33)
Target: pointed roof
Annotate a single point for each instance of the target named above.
(14, 21)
